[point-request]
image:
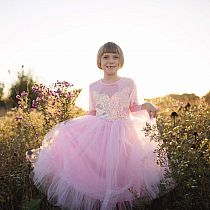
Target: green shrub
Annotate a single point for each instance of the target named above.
(184, 133)
(24, 128)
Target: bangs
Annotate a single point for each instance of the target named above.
(110, 48)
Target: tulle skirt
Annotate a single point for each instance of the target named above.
(90, 163)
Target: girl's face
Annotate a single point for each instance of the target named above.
(110, 63)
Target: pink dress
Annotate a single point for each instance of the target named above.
(93, 161)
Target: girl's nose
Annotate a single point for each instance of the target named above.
(111, 60)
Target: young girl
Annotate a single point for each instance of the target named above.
(99, 160)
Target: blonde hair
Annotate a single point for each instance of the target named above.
(110, 47)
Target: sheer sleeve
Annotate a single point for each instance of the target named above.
(134, 101)
(92, 110)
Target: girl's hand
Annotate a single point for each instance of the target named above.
(151, 109)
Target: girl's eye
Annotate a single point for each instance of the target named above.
(113, 57)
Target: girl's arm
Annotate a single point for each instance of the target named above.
(92, 110)
(151, 109)
(135, 105)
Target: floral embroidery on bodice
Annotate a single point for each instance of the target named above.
(113, 101)
(112, 107)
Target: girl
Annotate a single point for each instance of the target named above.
(99, 160)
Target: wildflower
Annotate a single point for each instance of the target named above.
(34, 88)
(18, 96)
(20, 106)
(24, 93)
(18, 118)
(33, 104)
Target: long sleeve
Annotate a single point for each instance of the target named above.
(134, 102)
(135, 106)
(92, 110)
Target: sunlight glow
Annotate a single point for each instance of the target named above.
(164, 52)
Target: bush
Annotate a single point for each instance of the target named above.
(185, 134)
(24, 128)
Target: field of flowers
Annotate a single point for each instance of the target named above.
(183, 130)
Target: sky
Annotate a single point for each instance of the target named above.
(166, 43)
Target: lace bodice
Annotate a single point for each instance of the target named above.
(115, 100)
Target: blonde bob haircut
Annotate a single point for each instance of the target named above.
(110, 47)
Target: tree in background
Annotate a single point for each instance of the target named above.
(25, 83)
(185, 97)
(207, 98)
(1, 90)
(2, 103)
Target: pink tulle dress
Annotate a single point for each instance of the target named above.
(98, 161)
